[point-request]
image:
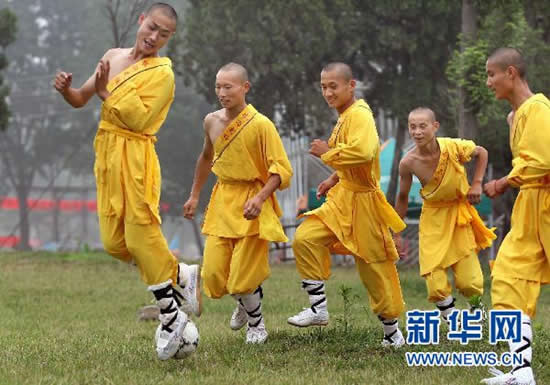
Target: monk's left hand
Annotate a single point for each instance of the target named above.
(253, 207)
(398, 241)
(318, 147)
(102, 78)
(474, 194)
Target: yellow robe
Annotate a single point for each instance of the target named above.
(246, 154)
(127, 168)
(525, 252)
(356, 210)
(450, 227)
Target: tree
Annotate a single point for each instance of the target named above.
(39, 132)
(284, 59)
(403, 58)
(467, 122)
(122, 16)
(8, 29)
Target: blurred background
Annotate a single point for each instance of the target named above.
(403, 53)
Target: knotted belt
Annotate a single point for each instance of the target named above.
(383, 210)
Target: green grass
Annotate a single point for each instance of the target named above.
(71, 319)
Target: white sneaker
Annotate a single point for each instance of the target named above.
(192, 299)
(168, 343)
(308, 318)
(238, 318)
(523, 376)
(395, 341)
(256, 335)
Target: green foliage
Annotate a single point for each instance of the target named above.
(282, 44)
(285, 58)
(410, 43)
(8, 30)
(8, 27)
(475, 301)
(348, 298)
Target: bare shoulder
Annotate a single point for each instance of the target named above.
(407, 162)
(110, 54)
(211, 119)
(115, 53)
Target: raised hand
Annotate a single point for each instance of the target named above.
(63, 81)
(102, 78)
(318, 147)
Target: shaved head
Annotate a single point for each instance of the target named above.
(509, 57)
(424, 110)
(237, 69)
(166, 9)
(342, 69)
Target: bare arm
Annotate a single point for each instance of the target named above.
(202, 170)
(474, 194)
(481, 164)
(405, 183)
(253, 207)
(77, 97)
(327, 184)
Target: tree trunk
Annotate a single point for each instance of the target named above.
(394, 176)
(55, 216)
(467, 121)
(24, 224)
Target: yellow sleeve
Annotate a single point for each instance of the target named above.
(137, 106)
(465, 148)
(274, 154)
(360, 148)
(533, 160)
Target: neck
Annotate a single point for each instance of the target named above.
(233, 112)
(520, 94)
(136, 54)
(345, 106)
(430, 148)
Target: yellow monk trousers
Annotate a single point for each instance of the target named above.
(468, 279)
(234, 265)
(528, 241)
(143, 244)
(311, 250)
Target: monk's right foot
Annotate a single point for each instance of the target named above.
(308, 317)
(523, 376)
(190, 281)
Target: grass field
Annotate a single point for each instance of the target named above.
(71, 319)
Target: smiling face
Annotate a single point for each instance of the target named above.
(155, 29)
(337, 90)
(422, 127)
(231, 88)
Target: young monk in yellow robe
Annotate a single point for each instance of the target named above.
(137, 89)
(522, 265)
(243, 149)
(356, 218)
(450, 232)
